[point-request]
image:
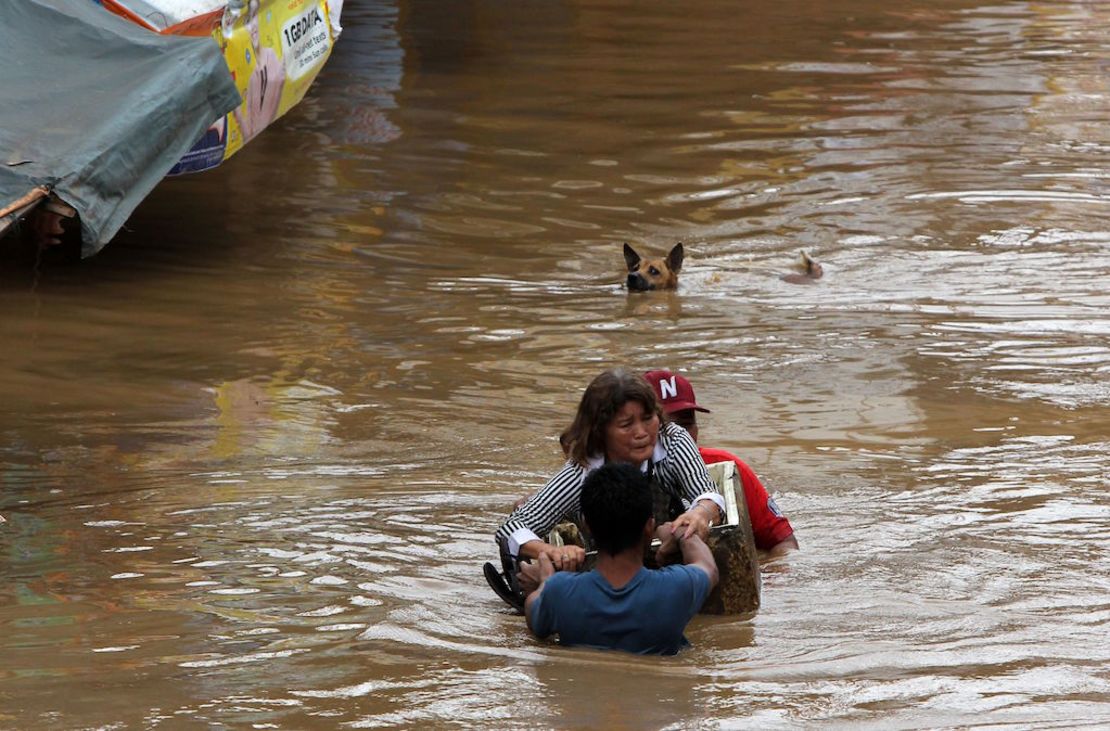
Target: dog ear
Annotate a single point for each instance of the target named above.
(631, 258)
(674, 258)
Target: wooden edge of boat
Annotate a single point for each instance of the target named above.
(733, 545)
(20, 208)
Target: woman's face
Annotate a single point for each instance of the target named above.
(630, 435)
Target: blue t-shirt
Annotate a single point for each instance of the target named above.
(646, 616)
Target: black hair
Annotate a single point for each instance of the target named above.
(602, 399)
(616, 503)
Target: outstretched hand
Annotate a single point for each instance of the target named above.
(543, 567)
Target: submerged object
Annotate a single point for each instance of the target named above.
(104, 99)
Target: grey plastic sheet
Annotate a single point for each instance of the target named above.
(98, 109)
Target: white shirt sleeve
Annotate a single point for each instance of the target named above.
(717, 498)
(518, 538)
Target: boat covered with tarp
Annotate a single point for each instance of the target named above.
(102, 100)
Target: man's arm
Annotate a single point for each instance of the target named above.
(790, 543)
(668, 544)
(546, 571)
(771, 529)
(696, 553)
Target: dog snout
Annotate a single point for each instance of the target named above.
(637, 282)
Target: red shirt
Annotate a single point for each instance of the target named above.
(769, 525)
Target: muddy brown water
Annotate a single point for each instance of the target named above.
(252, 453)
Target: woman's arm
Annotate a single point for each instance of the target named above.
(538, 515)
(696, 486)
(694, 482)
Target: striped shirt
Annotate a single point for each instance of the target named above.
(677, 466)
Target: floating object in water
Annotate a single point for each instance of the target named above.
(811, 271)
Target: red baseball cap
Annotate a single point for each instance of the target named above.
(673, 391)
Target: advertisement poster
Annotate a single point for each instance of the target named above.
(274, 49)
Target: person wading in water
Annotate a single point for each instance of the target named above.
(620, 604)
(772, 531)
(618, 420)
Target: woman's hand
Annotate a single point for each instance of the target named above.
(546, 560)
(564, 558)
(696, 520)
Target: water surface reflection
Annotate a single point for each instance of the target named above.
(253, 452)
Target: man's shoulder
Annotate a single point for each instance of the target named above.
(678, 568)
(558, 579)
(681, 573)
(710, 455)
(563, 582)
(677, 591)
(551, 599)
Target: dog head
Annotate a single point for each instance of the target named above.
(648, 274)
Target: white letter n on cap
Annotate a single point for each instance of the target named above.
(668, 388)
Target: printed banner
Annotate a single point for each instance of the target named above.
(274, 50)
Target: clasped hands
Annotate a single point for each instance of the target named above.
(549, 559)
(559, 558)
(695, 521)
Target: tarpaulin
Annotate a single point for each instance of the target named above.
(98, 109)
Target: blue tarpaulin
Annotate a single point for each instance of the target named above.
(97, 109)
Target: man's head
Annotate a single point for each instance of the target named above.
(676, 396)
(616, 503)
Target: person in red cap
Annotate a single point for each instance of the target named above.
(770, 527)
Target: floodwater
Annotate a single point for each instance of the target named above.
(253, 452)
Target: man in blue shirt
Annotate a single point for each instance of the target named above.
(620, 604)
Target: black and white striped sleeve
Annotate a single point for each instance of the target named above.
(559, 498)
(687, 468)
